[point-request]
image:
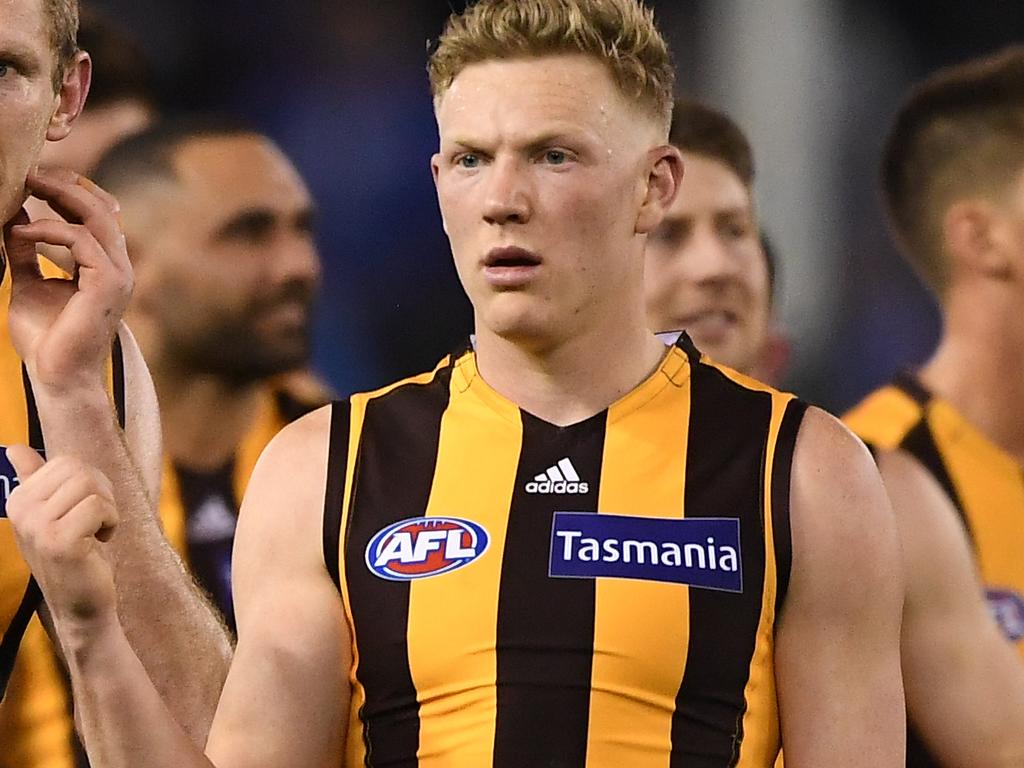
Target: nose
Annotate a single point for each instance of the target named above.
(508, 199)
(299, 260)
(711, 260)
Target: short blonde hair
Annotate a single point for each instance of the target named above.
(619, 33)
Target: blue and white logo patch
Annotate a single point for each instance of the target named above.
(699, 552)
(422, 547)
(1008, 608)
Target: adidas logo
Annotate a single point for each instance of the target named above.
(561, 478)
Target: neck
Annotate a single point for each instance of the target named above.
(572, 379)
(203, 418)
(979, 364)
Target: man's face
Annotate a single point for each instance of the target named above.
(27, 98)
(226, 265)
(541, 172)
(705, 270)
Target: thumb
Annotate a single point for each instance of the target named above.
(25, 460)
(21, 251)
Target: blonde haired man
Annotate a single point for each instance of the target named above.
(568, 545)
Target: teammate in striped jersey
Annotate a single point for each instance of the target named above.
(404, 598)
(56, 381)
(953, 184)
(707, 269)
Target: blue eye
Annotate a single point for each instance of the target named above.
(556, 156)
(3, 70)
(469, 161)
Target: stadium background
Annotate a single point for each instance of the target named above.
(341, 85)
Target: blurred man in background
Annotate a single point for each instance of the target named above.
(953, 187)
(707, 269)
(219, 227)
(61, 387)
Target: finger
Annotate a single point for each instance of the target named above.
(20, 252)
(46, 480)
(81, 204)
(85, 250)
(92, 516)
(44, 175)
(74, 491)
(25, 461)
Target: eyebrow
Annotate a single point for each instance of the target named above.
(262, 219)
(533, 143)
(25, 59)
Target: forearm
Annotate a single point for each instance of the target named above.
(175, 634)
(124, 721)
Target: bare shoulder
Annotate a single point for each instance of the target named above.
(835, 474)
(291, 473)
(842, 522)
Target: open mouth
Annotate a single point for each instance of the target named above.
(510, 257)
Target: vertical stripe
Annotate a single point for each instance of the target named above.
(334, 494)
(781, 480)
(35, 429)
(761, 719)
(545, 625)
(117, 379)
(724, 474)
(453, 617)
(920, 443)
(30, 601)
(395, 470)
(640, 626)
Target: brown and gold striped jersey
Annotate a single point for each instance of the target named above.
(600, 594)
(985, 484)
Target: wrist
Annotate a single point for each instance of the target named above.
(91, 643)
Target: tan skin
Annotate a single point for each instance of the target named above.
(553, 139)
(235, 227)
(63, 331)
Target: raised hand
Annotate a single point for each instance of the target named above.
(62, 513)
(63, 329)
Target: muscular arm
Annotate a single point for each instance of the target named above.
(837, 647)
(286, 699)
(964, 681)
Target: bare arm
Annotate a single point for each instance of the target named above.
(837, 648)
(286, 699)
(63, 331)
(964, 681)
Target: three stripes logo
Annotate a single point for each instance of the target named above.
(561, 478)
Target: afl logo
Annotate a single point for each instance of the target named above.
(425, 546)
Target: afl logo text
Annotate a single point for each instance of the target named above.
(425, 546)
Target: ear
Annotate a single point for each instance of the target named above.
(71, 100)
(435, 171)
(666, 172)
(976, 235)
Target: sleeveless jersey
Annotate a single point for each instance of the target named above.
(601, 594)
(985, 484)
(40, 703)
(181, 503)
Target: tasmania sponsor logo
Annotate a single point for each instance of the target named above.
(1008, 608)
(699, 552)
(559, 478)
(425, 546)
